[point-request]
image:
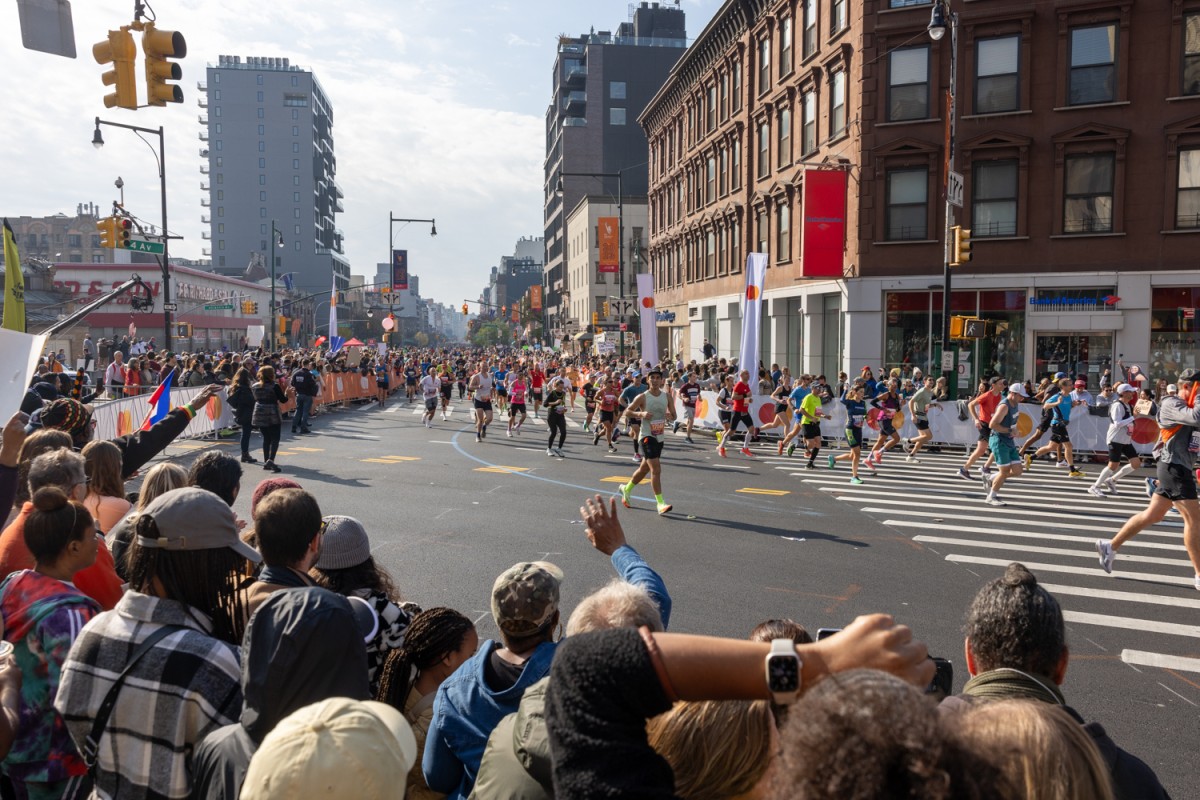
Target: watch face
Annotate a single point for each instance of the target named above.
(783, 673)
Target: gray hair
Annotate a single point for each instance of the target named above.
(62, 468)
(620, 604)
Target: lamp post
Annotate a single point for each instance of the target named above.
(620, 234)
(938, 26)
(165, 261)
(277, 241)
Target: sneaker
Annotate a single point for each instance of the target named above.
(870, 466)
(832, 461)
(549, 452)
(1076, 473)
(810, 465)
(637, 458)
(1061, 464)
(558, 452)
(688, 439)
(663, 508)
(1094, 491)
(791, 449)
(596, 440)
(1028, 461)
(586, 427)
(856, 481)
(1110, 486)
(1198, 583)
(746, 452)
(780, 451)
(612, 449)
(625, 490)
(1151, 487)
(443, 416)
(965, 474)
(674, 429)
(985, 471)
(912, 460)
(721, 452)
(1104, 548)
(994, 500)
(510, 433)
(477, 439)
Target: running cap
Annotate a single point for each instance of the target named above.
(1172, 389)
(1017, 388)
(1058, 376)
(525, 597)
(1080, 383)
(655, 371)
(1125, 387)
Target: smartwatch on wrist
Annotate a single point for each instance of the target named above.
(783, 671)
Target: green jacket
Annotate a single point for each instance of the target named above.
(516, 762)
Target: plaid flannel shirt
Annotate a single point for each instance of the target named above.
(187, 685)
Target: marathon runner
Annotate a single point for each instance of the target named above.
(537, 379)
(740, 407)
(429, 392)
(808, 422)
(446, 388)
(1061, 406)
(500, 381)
(589, 402)
(654, 409)
(608, 397)
(1120, 443)
(628, 394)
(795, 398)
(1046, 421)
(556, 415)
(887, 403)
(480, 389)
(410, 381)
(856, 414)
(981, 408)
(1008, 461)
(689, 393)
(1177, 449)
(918, 406)
(518, 386)
(382, 382)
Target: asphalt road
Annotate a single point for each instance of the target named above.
(752, 539)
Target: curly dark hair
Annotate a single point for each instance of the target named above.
(1013, 622)
(367, 575)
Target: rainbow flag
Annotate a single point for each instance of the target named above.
(160, 402)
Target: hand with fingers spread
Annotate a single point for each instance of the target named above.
(604, 530)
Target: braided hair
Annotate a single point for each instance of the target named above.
(433, 635)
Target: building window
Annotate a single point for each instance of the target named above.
(1088, 206)
(220, 244)
(724, 96)
(907, 3)
(220, 227)
(217, 128)
(295, 113)
(95, 241)
(785, 47)
(722, 173)
(295, 131)
(1093, 65)
(907, 204)
(262, 130)
(735, 170)
(262, 163)
(616, 116)
(737, 85)
(837, 16)
(258, 79)
(837, 114)
(262, 147)
(218, 145)
(710, 255)
(764, 64)
(808, 123)
(296, 213)
(220, 211)
(220, 192)
(262, 212)
(908, 84)
(616, 90)
(295, 147)
(262, 113)
(764, 149)
(1191, 54)
(262, 197)
(997, 83)
(1187, 197)
(783, 235)
(785, 137)
(216, 94)
(295, 163)
(74, 240)
(295, 180)
(710, 116)
(262, 180)
(810, 27)
(295, 197)
(259, 96)
(710, 186)
(994, 199)
(761, 230)
(295, 81)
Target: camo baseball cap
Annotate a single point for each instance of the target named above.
(525, 597)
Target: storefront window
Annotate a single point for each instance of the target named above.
(1174, 332)
(1003, 351)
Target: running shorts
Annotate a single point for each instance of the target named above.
(812, 430)
(445, 391)
(501, 392)
(608, 416)
(743, 418)
(781, 408)
(483, 405)
(689, 412)
(589, 408)
(516, 408)
(922, 423)
(410, 381)
(1046, 421)
(985, 433)
(1059, 433)
(651, 447)
(1176, 482)
(854, 437)
(1004, 450)
(724, 416)
(381, 384)
(430, 403)
(1118, 452)
(537, 393)
(886, 428)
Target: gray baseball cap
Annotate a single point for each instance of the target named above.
(195, 519)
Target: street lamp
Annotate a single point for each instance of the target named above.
(937, 30)
(165, 261)
(558, 189)
(277, 240)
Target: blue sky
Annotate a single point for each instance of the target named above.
(439, 109)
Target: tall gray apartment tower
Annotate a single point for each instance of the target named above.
(267, 157)
(602, 82)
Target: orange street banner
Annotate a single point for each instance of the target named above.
(535, 298)
(610, 244)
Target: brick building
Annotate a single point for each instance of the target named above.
(1081, 178)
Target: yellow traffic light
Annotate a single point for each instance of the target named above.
(464, 309)
(606, 308)
(157, 47)
(596, 318)
(961, 250)
(108, 231)
(956, 327)
(123, 231)
(120, 51)
(283, 323)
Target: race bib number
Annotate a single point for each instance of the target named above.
(657, 428)
(1194, 443)
(856, 420)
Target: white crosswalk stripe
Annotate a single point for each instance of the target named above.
(1050, 524)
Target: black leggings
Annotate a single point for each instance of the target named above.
(557, 424)
(247, 430)
(270, 434)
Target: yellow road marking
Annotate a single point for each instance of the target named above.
(309, 449)
(771, 492)
(615, 479)
(502, 469)
(402, 458)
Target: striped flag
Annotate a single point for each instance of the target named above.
(160, 402)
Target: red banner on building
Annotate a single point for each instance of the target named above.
(535, 298)
(822, 246)
(610, 244)
(399, 270)
(516, 314)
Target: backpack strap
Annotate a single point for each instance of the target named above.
(91, 745)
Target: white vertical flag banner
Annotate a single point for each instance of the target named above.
(756, 272)
(646, 314)
(335, 341)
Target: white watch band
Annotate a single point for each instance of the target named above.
(784, 648)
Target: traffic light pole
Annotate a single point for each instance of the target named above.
(164, 262)
(620, 236)
(949, 368)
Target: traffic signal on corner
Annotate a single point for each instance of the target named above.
(157, 47)
(606, 308)
(596, 318)
(108, 231)
(253, 306)
(960, 246)
(464, 309)
(123, 231)
(120, 51)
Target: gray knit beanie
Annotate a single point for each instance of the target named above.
(345, 543)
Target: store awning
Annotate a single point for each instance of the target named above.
(583, 335)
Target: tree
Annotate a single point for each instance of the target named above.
(490, 333)
(421, 338)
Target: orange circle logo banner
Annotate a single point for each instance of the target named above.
(751, 292)
(647, 302)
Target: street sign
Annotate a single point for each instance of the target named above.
(624, 326)
(142, 246)
(948, 361)
(954, 189)
(390, 298)
(170, 306)
(217, 307)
